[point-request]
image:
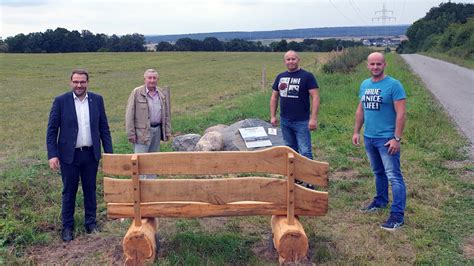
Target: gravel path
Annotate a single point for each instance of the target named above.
(452, 85)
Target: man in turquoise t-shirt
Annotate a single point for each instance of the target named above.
(382, 111)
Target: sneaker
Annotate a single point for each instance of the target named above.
(392, 223)
(304, 184)
(372, 207)
(299, 182)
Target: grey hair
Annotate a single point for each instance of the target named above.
(150, 71)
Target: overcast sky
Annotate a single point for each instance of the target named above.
(186, 16)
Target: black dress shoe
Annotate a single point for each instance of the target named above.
(92, 229)
(67, 234)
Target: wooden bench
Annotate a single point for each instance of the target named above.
(144, 200)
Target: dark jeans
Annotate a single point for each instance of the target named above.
(84, 166)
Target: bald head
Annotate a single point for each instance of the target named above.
(292, 61)
(376, 56)
(291, 53)
(376, 65)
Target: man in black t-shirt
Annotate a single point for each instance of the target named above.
(297, 114)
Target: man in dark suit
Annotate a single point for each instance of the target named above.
(77, 125)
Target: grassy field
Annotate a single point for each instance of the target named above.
(221, 88)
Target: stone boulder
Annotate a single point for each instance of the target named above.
(233, 140)
(211, 141)
(219, 128)
(185, 142)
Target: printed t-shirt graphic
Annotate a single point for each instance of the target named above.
(372, 99)
(289, 87)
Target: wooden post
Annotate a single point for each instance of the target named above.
(290, 241)
(136, 190)
(290, 194)
(167, 93)
(264, 78)
(139, 244)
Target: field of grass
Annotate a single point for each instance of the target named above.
(221, 88)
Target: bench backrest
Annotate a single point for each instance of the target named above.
(214, 197)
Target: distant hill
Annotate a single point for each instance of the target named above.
(288, 34)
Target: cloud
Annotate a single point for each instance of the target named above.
(23, 3)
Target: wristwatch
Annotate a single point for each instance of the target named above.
(397, 139)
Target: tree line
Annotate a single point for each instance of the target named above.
(235, 45)
(62, 40)
(447, 28)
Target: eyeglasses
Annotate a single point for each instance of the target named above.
(82, 82)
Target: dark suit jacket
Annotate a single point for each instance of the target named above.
(62, 130)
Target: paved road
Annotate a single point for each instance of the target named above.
(452, 85)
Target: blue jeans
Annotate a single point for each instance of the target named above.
(297, 136)
(386, 169)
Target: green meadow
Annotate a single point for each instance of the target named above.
(222, 88)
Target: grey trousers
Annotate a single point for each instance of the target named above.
(154, 146)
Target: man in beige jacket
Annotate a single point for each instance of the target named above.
(147, 118)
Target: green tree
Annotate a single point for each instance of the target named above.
(164, 46)
(132, 43)
(281, 46)
(436, 22)
(212, 44)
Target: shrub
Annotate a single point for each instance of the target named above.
(346, 61)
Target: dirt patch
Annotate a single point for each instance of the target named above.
(454, 164)
(468, 247)
(467, 176)
(344, 175)
(357, 159)
(464, 168)
(264, 248)
(211, 224)
(92, 249)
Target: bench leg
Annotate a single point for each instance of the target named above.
(290, 241)
(139, 246)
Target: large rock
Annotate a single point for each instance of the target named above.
(185, 142)
(233, 140)
(219, 127)
(211, 141)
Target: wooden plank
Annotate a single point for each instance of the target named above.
(272, 161)
(196, 163)
(290, 192)
(310, 171)
(213, 191)
(136, 190)
(197, 209)
(118, 190)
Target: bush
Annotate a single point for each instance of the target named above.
(347, 61)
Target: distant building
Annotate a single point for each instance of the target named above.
(379, 42)
(150, 47)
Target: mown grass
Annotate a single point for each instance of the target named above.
(221, 88)
(465, 62)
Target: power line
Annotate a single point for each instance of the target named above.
(352, 22)
(357, 11)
